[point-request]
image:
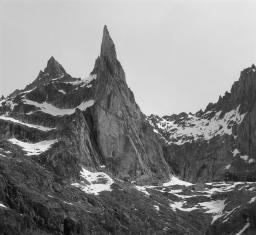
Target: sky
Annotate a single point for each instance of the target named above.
(178, 55)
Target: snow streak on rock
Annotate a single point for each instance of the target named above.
(41, 128)
(246, 226)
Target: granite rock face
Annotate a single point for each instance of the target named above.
(126, 141)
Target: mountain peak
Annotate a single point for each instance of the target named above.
(54, 68)
(107, 45)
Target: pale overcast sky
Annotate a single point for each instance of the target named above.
(178, 55)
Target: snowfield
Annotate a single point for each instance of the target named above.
(175, 181)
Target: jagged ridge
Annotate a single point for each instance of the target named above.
(221, 136)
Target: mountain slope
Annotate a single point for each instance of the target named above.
(215, 144)
(79, 157)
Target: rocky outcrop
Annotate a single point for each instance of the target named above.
(54, 68)
(53, 73)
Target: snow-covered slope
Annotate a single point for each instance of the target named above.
(180, 129)
(217, 143)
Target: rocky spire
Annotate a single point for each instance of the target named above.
(107, 61)
(107, 45)
(54, 68)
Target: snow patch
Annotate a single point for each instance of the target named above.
(90, 78)
(33, 148)
(227, 167)
(214, 207)
(62, 91)
(86, 82)
(244, 157)
(251, 161)
(98, 182)
(252, 200)
(54, 111)
(3, 206)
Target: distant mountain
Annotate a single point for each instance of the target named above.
(77, 156)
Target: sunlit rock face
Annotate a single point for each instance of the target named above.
(77, 156)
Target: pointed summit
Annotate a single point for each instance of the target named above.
(107, 62)
(107, 45)
(54, 68)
